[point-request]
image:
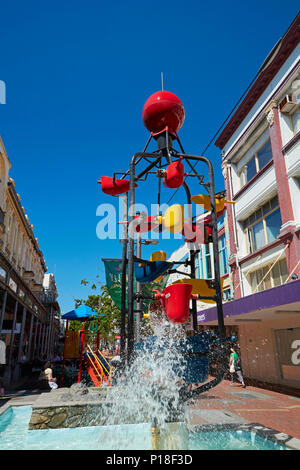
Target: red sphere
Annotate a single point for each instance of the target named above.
(163, 109)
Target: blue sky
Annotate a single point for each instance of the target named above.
(77, 76)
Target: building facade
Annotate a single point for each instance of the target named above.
(260, 151)
(29, 320)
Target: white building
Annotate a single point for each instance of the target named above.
(260, 148)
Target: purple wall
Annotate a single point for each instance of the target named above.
(281, 295)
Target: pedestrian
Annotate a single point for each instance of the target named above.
(235, 367)
(49, 376)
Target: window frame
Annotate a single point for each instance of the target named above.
(248, 230)
(297, 109)
(242, 176)
(223, 256)
(263, 270)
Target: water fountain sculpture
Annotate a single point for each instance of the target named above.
(163, 116)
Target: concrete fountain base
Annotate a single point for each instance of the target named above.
(76, 406)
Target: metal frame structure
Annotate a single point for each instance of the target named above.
(157, 160)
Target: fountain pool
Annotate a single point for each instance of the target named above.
(14, 435)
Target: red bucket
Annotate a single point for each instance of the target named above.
(114, 187)
(176, 301)
(174, 176)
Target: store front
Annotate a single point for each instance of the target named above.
(268, 333)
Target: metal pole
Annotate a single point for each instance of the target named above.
(64, 360)
(192, 257)
(12, 338)
(214, 238)
(22, 334)
(216, 251)
(3, 307)
(35, 335)
(81, 351)
(130, 318)
(139, 304)
(30, 337)
(124, 279)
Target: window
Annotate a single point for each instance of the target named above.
(249, 170)
(223, 255)
(263, 226)
(13, 285)
(267, 277)
(199, 266)
(296, 121)
(2, 273)
(256, 163)
(220, 221)
(226, 295)
(208, 262)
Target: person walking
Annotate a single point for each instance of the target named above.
(235, 367)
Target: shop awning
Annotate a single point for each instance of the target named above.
(268, 304)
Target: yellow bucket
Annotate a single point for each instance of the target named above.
(173, 220)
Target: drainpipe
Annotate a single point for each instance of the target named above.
(234, 229)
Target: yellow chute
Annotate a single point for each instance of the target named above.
(201, 287)
(204, 201)
(158, 256)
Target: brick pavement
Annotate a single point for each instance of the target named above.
(229, 404)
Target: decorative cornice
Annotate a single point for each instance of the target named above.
(25, 220)
(5, 262)
(260, 116)
(269, 112)
(287, 45)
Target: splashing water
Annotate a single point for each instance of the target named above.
(148, 390)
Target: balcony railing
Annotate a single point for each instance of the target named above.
(48, 297)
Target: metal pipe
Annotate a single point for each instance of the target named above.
(22, 334)
(130, 318)
(139, 304)
(30, 337)
(123, 284)
(192, 255)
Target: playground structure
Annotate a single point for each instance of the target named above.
(163, 116)
(96, 364)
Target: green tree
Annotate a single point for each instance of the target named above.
(108, 325)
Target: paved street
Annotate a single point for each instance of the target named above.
(233, 404)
